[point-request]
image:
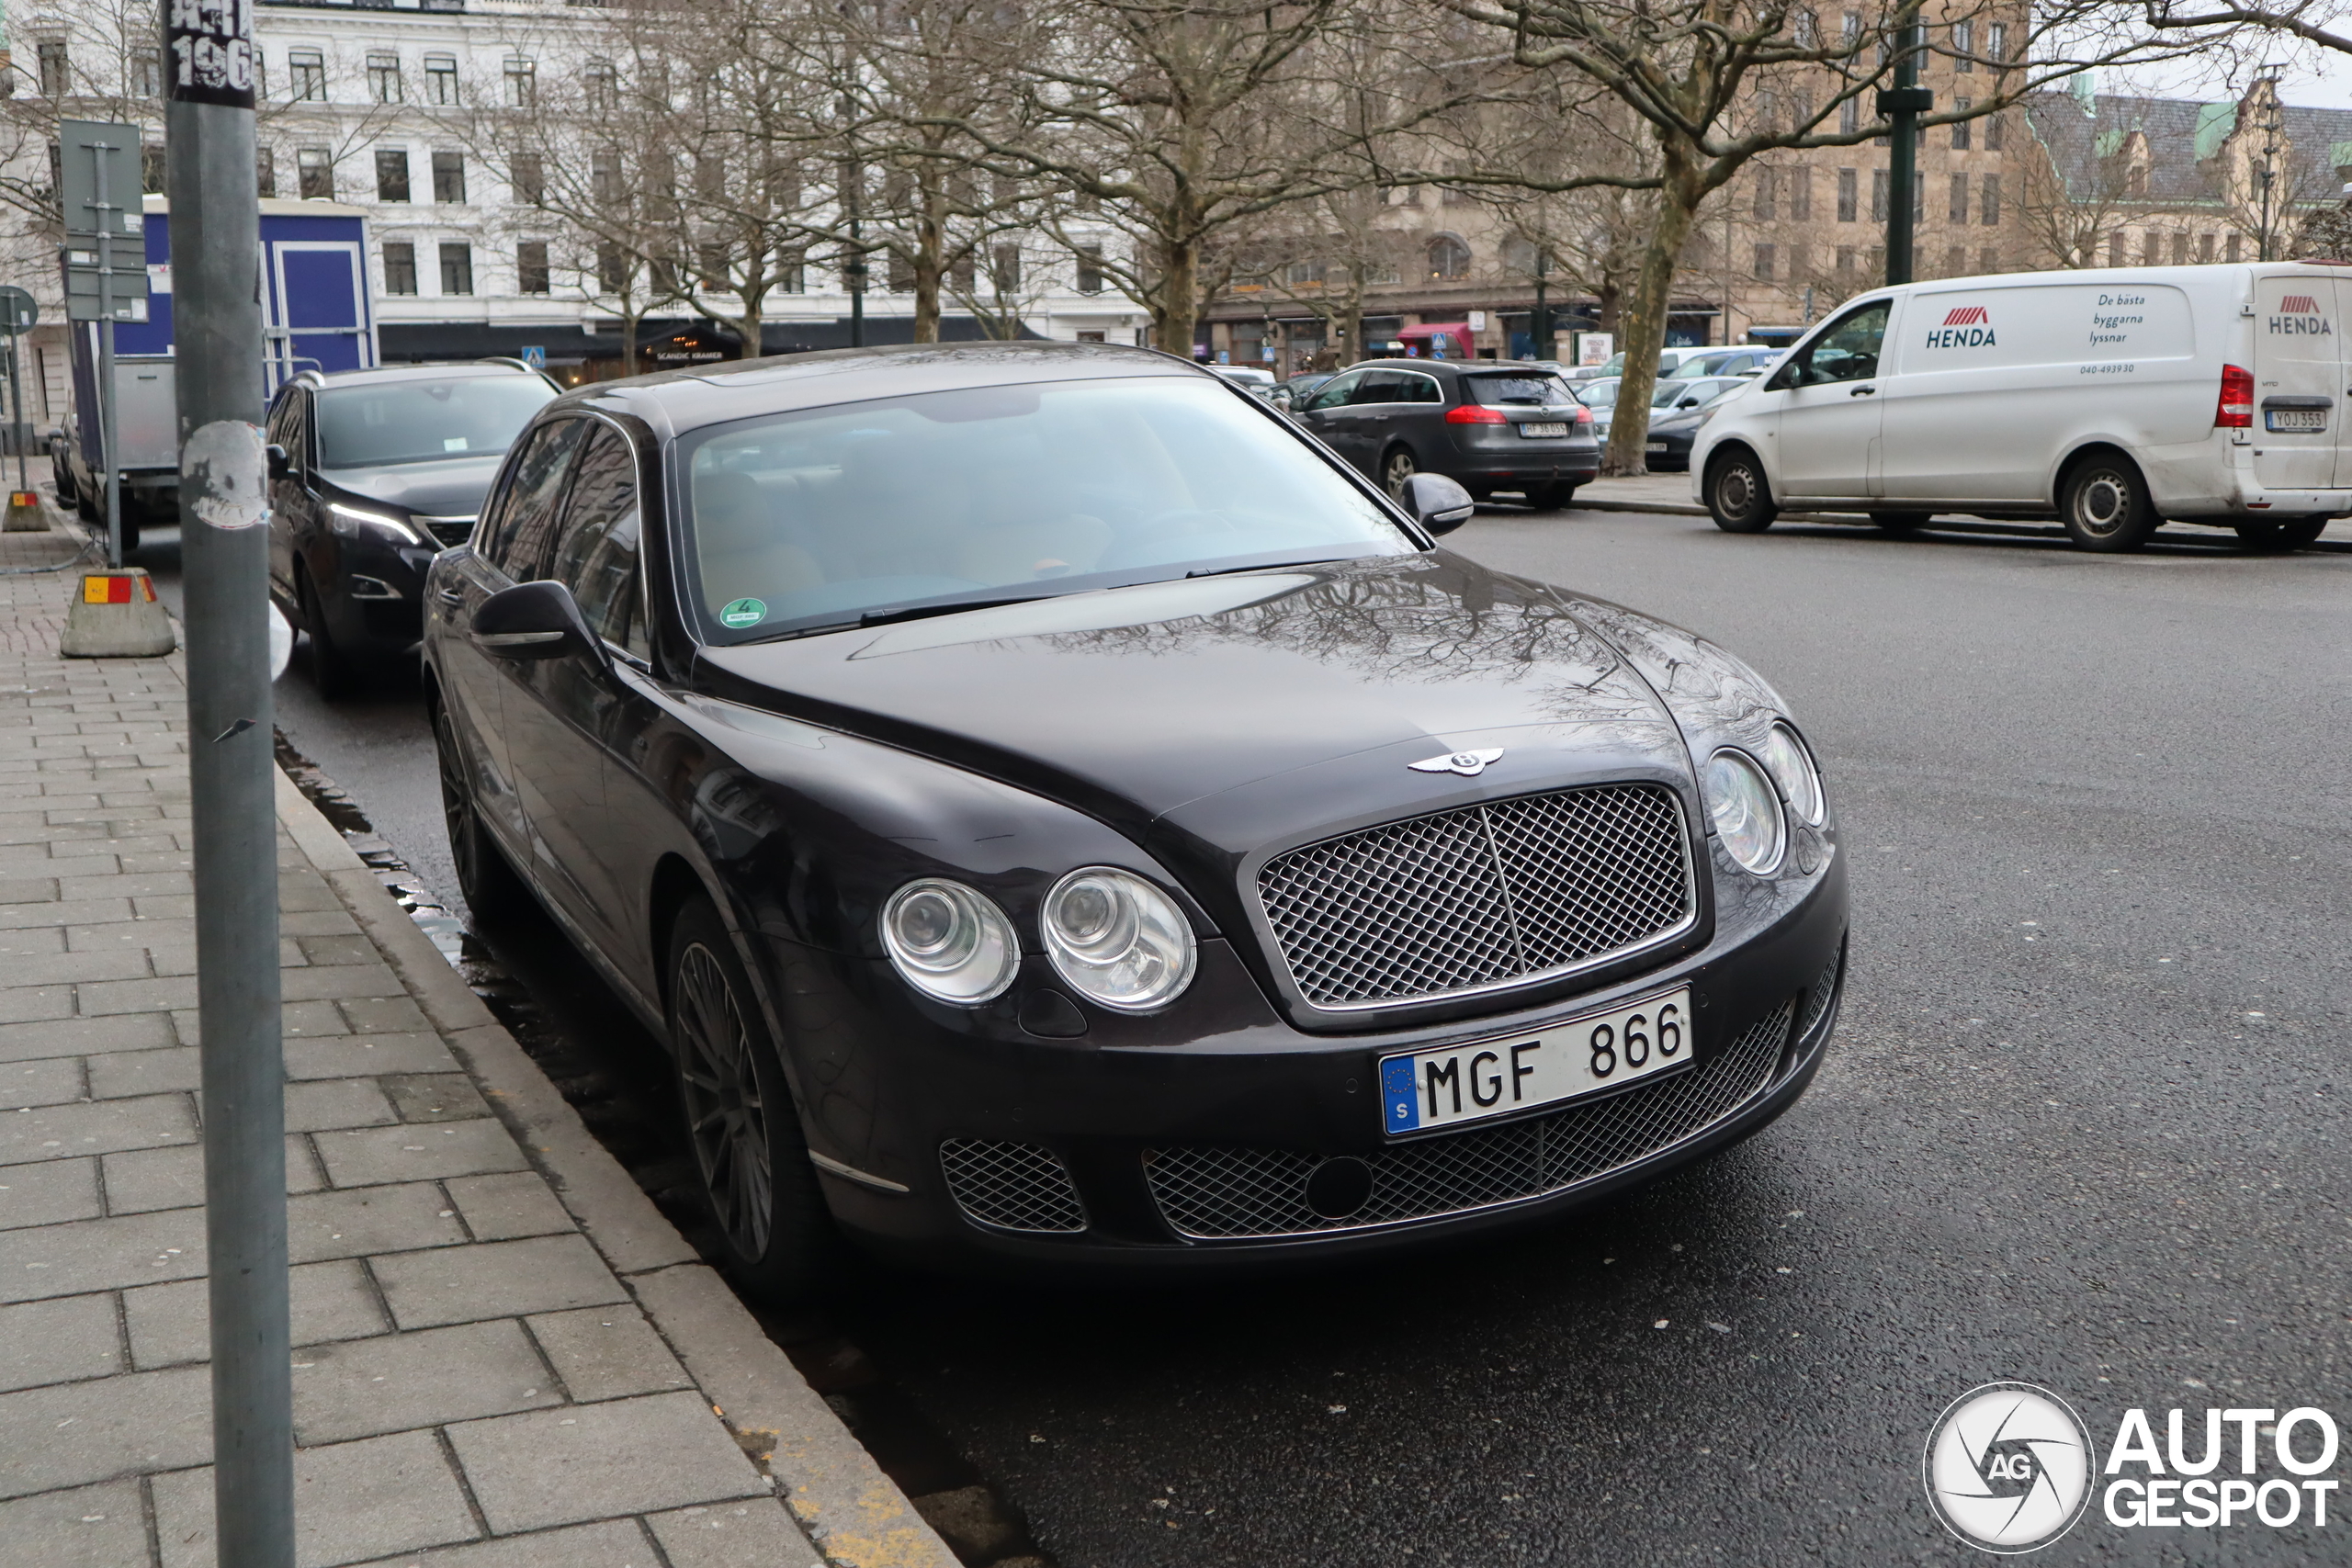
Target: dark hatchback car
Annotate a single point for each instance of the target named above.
(1490, 425)
(372, 473)
(1675, 422)
(1054, 813)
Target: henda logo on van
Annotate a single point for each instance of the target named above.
(2299, 313)
(1965, 326)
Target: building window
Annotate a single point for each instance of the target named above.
(147, 73)
(265, 172)
(440, 79)
(152, 168)
(309, 72)
(792, 272)
(1996, 43)
(1878, 264)
(56, 78)
(1004, 269)
(1765, 257)
(1805, 32)
(1955, 261)
(1993, 123)
(2180, 248)
(522, 83)
(605, 183)
(1449, 259)
(2152, 251)
(400, 266)
(1799, 181)
(531, 267)
(1990, 201)
(612, 269)
(1878, 195)
(384, 78)
(600, 84)
(261, 75)
(1766, 180)
(2118, 250)
(1850, 31)
(457, 267)
(711, 270)
(314, 173)
(529, 176)
(1090, 269)
(1848, 198)
(1988, 260)
(1957, 211)
(1849, 117)
(1963, 46)
(449, 176)
(1959, 131)
(391, 174)
(2233, 248)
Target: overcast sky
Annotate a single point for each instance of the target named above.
(2313, 78)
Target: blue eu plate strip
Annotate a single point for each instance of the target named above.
(1403, 1103)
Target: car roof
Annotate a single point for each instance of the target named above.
(681, 401)
(382, 374)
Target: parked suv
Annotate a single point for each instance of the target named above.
(1493, 425)
(372, 473)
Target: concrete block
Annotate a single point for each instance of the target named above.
(364, 1156)
(305, 1020)
(131, 1425)
(147, 1179)
(115, 614)
(501, 1208)
(122, 1074)
(31, 513)
(48, 1193)
(138, 995)
(397, 1382)
(758, 1534)
(100, 1255)
(342, 1056)
(371, 1220)
(50, 1082)
(307, 923)
(172, 1323)
(352, 1501)
(587, 1461)
(32, 1004)
(339, 949)
(435, 1097)
(84, 1036)
(383, 1015)
(88, 1526)
(58, 1341)
(69, 969)
(97, 1127)
(339, 982)
(25, 915)
(607, 1353)
(498, 1278)
(613, 1543)
(333, 1104)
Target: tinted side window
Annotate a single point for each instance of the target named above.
(1846, 352)
(516, 538)
(595, 556)
(1421, 390)
(287, 429)
(1378, 386)
(1334, 392)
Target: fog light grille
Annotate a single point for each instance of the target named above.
(1219, 1193)
(1817, 999)
(1011, 1187)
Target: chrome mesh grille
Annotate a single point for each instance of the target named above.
(1481, 895)
(1011, 1187)
(1817, 999)
(1217, 1193)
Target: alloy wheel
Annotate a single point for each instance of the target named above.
(726, 1113)
(1398, 471)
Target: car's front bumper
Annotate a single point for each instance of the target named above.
(1193, 1155)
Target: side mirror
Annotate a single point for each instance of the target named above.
(1437, 503)
(280, 464)
(532, 620)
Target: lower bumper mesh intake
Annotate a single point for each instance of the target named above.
(1217, 1193)
(1011, 1187)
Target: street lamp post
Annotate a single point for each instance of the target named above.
(1901, 107)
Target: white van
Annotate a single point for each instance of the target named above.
(2112, 399)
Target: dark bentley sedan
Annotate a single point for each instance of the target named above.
(1054, 812)
(1490, 425)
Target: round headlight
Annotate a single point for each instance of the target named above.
(1745, 809)
(1118, 940)
(949, 941)
(1792, 768)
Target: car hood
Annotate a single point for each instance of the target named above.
(451, 489)
(1243, 709)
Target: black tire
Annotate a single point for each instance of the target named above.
(1739, 497)
(1901, 522)
(1397, 466)
(2105, 506)
(2266, 536)
(331, 669)
(492, 890)
(1552, 498)
(758, 1185)
(61, 476)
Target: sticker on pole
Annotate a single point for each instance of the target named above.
(224, 474)
(211, 45)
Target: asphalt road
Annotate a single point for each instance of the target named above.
(2083, 1125)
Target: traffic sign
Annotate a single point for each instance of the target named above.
(19, 310)
(535, 357)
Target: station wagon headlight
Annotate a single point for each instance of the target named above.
(351, 522)
(1117, 940)
(950, 942)
(1745, 809)
(1792, 768)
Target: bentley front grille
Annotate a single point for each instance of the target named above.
(1011, 1187)
(1484, 896)
(1215, 1192)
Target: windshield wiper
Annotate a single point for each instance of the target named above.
(953, 606)
(1260, 566)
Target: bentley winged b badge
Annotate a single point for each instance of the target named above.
(1469, 764)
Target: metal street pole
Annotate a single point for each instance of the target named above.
(17, 408)
(1539, 321)
(854, 272)
(216, 257)
(1901, 107)
(107, 389)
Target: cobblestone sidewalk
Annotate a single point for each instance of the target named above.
(507, 1358)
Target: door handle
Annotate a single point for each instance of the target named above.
(1863, 392)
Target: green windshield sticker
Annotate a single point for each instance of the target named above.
(743, 612)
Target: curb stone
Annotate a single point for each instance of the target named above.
(856, 1515)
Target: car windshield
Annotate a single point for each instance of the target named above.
(1520, 391)
(425, 422)
(1599, 394)
(832, 517)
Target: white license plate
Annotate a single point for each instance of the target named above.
(1552, 431)
(1494, 1077)
(2295, 419)
(1656, 446)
